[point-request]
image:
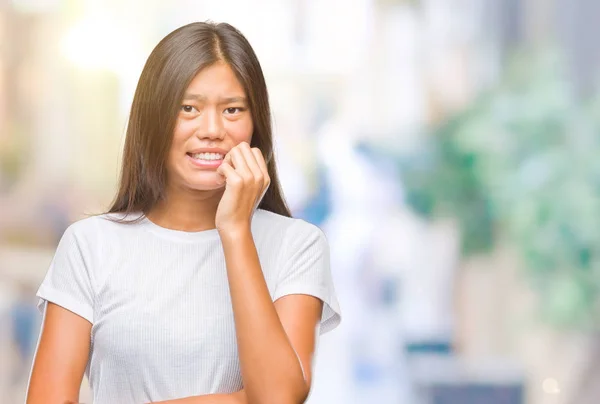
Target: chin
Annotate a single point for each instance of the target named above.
(205, 187)
(204, 182)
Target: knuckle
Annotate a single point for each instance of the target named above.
(235, 180)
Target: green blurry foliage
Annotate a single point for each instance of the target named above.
(523, 164)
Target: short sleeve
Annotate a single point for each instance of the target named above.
(68, 281)
(306, 270)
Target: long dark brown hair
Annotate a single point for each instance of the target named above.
(171, 66)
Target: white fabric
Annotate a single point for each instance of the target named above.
(159, 301)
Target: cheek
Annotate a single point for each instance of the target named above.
(183, 130)
(241, 130)
(180, 136)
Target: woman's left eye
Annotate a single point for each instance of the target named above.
(233, 110)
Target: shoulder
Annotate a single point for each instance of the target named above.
(288, 230)
(264, 219)
(93, 240)
(82, 229)
(91, 230)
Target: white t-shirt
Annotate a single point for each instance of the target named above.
(159, 300)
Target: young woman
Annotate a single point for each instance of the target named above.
(197, 286)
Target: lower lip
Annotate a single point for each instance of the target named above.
(204, 163)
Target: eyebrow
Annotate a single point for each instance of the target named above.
(226, 100)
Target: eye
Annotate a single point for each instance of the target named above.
(187, 108)
(233, 110)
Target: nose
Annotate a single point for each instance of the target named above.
(211, 125)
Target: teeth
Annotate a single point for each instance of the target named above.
(207, 156)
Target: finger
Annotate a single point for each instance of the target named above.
(266, 179)
(221, 172)
(240, 164)
(262, 195)
(260, 160)
(221, 179)
(227, 158)
(253, 165)
(229, 173)
(263, 167)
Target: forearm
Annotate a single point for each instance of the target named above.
(271, 370)
(234, 398)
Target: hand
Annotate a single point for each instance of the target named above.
(246, 180)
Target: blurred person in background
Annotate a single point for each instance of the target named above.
(197, 286)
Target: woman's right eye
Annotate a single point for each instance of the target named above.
(187, 108)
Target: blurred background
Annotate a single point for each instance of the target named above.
(448, 149)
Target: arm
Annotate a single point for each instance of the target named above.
(61, 357)
(275, 340)
(234, 398)
(274, 353)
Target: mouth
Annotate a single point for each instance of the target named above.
(206, 160)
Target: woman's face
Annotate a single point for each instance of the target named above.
(213, 117)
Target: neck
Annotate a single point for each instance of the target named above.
(187, 211)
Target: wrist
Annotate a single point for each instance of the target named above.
(239, 397)
(235, 232)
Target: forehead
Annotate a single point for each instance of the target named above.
(216, 79)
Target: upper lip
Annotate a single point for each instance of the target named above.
(209, 150)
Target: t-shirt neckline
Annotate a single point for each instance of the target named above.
(178, 234)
